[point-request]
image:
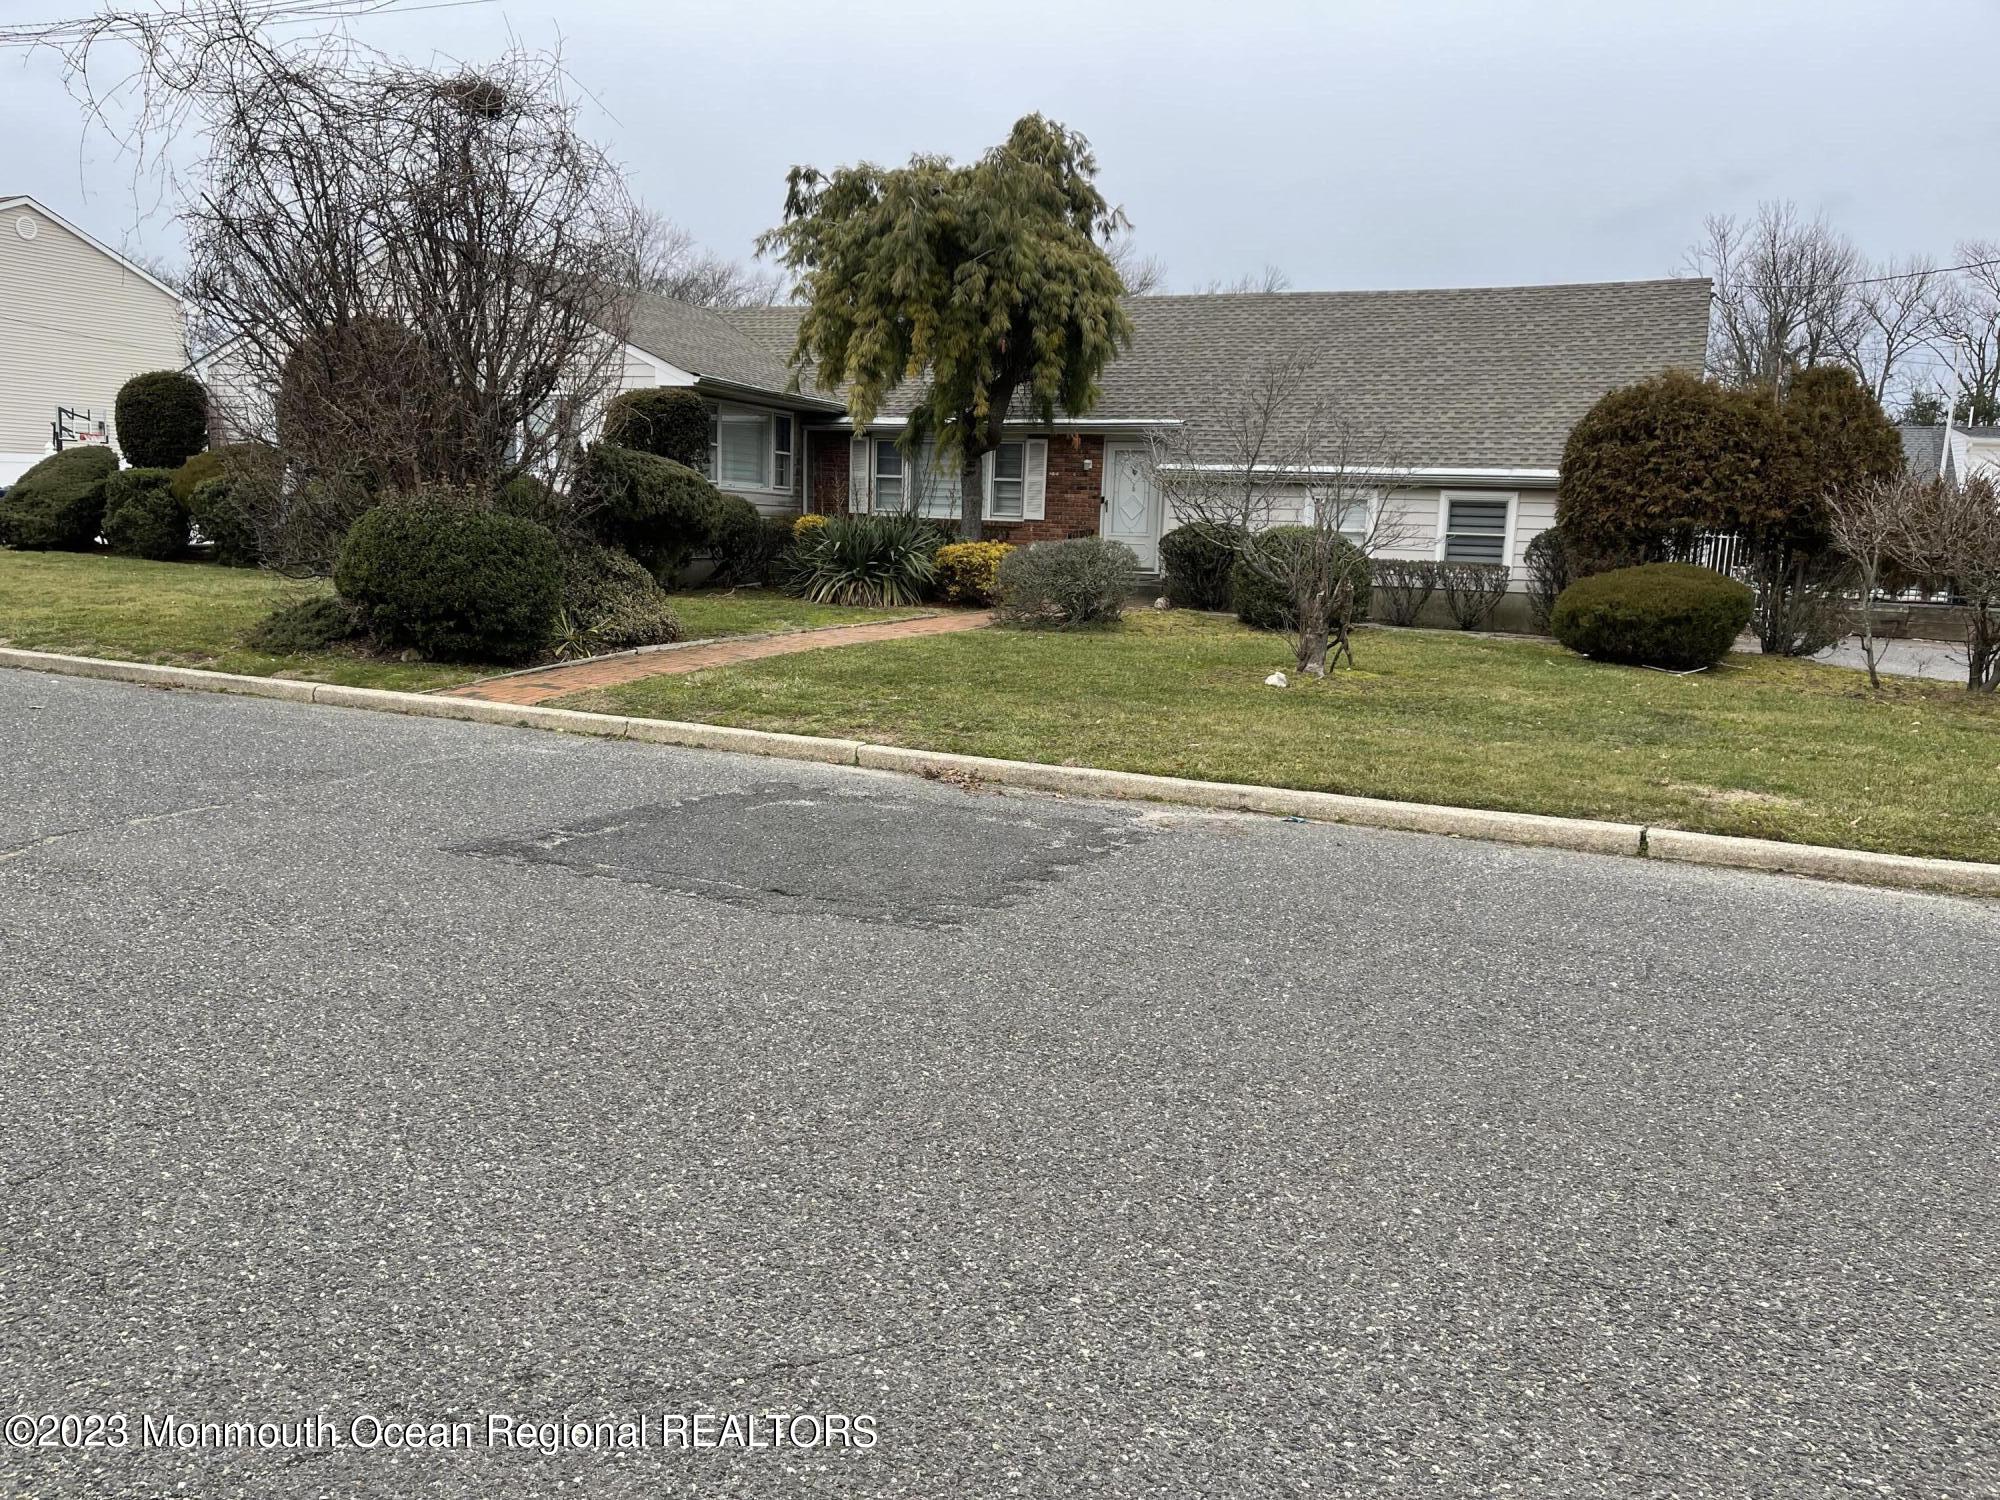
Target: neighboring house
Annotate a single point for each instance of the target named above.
(77, 320)
(1953, 453)
(1475, 388)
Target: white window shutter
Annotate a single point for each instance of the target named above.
(1034, 479)
(860, 476)
(986, 487)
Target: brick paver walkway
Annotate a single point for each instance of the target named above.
(527, 688)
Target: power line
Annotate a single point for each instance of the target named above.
(258, 12)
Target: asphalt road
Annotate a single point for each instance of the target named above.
(379, 1069)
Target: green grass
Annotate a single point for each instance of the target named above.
(195, 614)
(1759, 746)
(710, 612)
(184, 614)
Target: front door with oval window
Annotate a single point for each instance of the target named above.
(1132, 502)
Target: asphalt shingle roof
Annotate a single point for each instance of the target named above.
(1923, 446)
(1483, 377)
(707, 343)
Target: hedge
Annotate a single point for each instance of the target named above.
(58, 505)
(1670, 615)
(141, 516)
(452, 580)
(1197, 559)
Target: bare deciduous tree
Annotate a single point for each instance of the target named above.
(1898, 312)
(1281, 452)
(1951, 535)
(1969, 330)
(1783, 293)
(410, 276)
(672, 263)
(1270, 279)
(1870, 523)
(1143, 275)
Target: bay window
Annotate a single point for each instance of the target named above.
(749, 449)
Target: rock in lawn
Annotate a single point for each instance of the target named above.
(1161, 603)
(1276, 679)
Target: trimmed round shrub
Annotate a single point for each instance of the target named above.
(1263, 604)
(58, 505)
(309, 625)
(738, 541)
(533, 499)
(141, 516)
(1670, 615)
(659, 511)
(1197, 559)
(610, 603)
(1652, 464)
(161, 419)
(869, 560)
(454, 581)
(224, 515)
(1833, 435)
(227, 461)
(969, 572)
(1057, 585)
(669, 422)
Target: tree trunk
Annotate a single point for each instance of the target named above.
(971, 497)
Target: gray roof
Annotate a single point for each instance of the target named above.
(709, 344)
(1923, 446)
(1490, 377)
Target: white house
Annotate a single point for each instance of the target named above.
(77, 320)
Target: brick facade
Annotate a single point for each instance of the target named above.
(826, 472)
(1072, 506)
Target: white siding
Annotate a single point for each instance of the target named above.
(75, 325)
(1417, 507)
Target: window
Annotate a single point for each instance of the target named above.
(749, 450)
(937, 485)
(888, 498)
(1475, 528)
(1009, 469)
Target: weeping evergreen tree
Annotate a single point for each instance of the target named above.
(990, 280)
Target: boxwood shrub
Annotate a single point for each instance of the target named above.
(161, 419)
(224, 512)
(1670, 615)
(661, 512)
(1197, 559)
(668, 422)
(142, 517)
(456, 582)
(610, 603)
(1055, 585)
(1261, 603)
(58, 505)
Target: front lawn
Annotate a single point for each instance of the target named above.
(195, 614)
(1759, 746)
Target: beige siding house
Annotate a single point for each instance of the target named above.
(77, 320)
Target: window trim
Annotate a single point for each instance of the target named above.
(1444, 533)
(770, 416)
(990, 500)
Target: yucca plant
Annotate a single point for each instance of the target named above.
(871, 560)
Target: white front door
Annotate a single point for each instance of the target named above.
(1132, 502)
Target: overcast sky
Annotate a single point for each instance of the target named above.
(1352, 144)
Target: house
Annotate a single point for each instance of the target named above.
(1476, 388)
(1955, 452)
(77, 320)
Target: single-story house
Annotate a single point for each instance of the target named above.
(1475, 388)
(77, 320)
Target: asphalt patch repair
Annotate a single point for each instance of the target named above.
(928, 863)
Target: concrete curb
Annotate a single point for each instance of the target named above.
(1853, 866)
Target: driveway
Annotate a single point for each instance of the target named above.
(359, 1070)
